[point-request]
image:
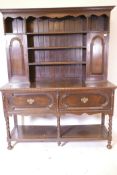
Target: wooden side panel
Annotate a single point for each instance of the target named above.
(97, 57)
(17, 58)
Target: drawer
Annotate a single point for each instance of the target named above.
(45, 100)
(85, 100)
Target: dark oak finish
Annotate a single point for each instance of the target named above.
(57, 64)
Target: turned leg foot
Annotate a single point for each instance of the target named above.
(9, 146)
(59, 143)
(109, 146)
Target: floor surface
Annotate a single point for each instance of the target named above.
(72, 158)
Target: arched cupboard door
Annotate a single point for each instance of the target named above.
(97, 47)
(17, 58)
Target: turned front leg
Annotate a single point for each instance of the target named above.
(58, 119)
(109, 146)
(58, 129)
(15, 120)
(8, 132)
(5, 105)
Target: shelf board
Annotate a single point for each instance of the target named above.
(49, 33)
(57, 63)
(98, 31)
(84, 131)
(57, 33)
(32, 132)
(49, 133)
(10, 33)
(56, 48)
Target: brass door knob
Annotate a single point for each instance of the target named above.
(84, 99)
(30, 101)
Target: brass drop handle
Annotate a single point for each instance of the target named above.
(30, 101)
(84, 99)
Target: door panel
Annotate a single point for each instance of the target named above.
(17, 58)
(97, 57)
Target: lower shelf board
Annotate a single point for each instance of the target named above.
(67, 133)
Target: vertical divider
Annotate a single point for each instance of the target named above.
(87, 30)
(25, 28)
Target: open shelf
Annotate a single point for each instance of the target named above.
(69, 132)
(34, 132)
(49, 83)
(84, 131)
(62, 72)
(62, 24)
(98, 23)
(14, 25)
(56, 26)
(75, 40)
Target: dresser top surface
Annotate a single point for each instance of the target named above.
(57, 85)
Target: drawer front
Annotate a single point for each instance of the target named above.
(85, 100)
(45, 100)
